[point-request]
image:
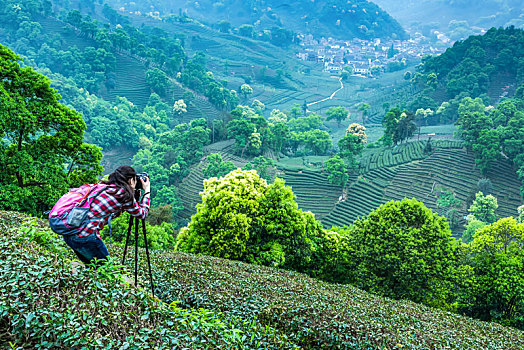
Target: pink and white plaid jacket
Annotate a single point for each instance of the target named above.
(110, 201)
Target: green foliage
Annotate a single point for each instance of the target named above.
(472, 227)
(216, 167)
(243, 218)
(449, 207)
(399, 126)
(158, 236)
(37, 310)
(343, 316)
(352, 144)
(472, 65)
(447, 199)
(497, 259)
(262, 165)
(337, 113)
(488, 134)
(42, 153)
(317, 141)
(157, 80)
(337, 171)
(483, 208)
(404, 250)
(347, 72)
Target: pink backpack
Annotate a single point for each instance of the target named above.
(70, 213)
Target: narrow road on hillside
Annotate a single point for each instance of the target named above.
(327, 98)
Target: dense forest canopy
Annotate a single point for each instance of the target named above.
(337, 18)
(490, 66)
(42, 152)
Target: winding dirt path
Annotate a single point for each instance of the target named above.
(327, 98)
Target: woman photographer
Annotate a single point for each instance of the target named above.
(117, 196)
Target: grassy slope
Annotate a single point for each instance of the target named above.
(311, 313)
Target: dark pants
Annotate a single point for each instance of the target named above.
(88, 248)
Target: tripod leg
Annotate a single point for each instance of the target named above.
(136, 251)
(129, 226)
(147, 255)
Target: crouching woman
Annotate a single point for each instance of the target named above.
(81, 227)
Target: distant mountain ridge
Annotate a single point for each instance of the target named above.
(336, 18)
(483, 13)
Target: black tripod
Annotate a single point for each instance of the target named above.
(129, 227)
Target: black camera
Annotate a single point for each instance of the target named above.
(141, 176)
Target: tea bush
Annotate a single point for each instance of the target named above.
(44, 305)
(317, 314)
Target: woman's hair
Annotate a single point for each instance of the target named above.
(120, 177)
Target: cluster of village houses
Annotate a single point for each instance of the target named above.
(361, 55)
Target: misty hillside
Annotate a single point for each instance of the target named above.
(337, 18)
(437, 14)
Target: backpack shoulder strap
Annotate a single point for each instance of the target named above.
(92, 193)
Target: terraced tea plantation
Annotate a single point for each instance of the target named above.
(193, 184)
(455, 170)
(313, 191)
(408, 170)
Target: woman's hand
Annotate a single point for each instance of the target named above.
(146, 185)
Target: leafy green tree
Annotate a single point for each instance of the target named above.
(352, 144)
(157, 80)
(337, 171)
(296, 111)
(242, 217)
(364, 109)
(483, 208)
(276, 116)
(472, 227)
(485, 186)
(301, 124)
(258, 106)
(487, 149)
(497, 259)
(359, 131)
(405, 251)
(399, 125)
(224, 26)
(246, 90)
(337, 113)
(42, 153)
(262, 165)
(158, 236)
(347, 72)
(246, 30)
(179, 108)
(281, 37)
(317, 141)
(279, 136)
(216, 167)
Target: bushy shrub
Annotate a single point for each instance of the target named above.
(405, 251)
(242, 217)
(496, 256)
